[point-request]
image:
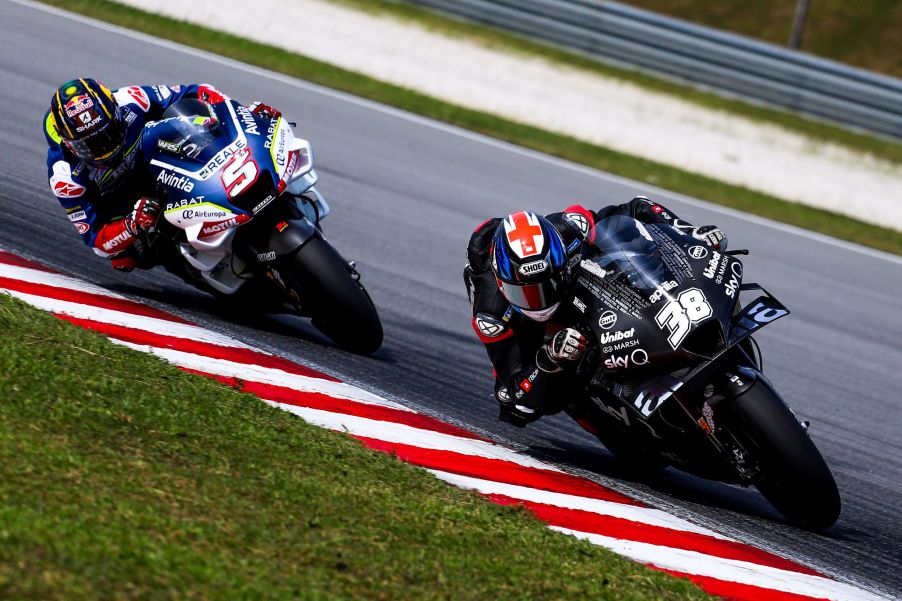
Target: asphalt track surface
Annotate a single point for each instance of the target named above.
(406, 193)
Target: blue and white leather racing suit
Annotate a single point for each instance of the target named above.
(96, 199)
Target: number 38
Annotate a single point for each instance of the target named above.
(678, 315)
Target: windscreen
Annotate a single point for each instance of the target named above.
(623, 245)
(190, 137)
(191, 127)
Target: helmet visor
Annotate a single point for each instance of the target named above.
(100, 144)
(531, 297)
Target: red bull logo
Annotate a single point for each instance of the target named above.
(78, 104)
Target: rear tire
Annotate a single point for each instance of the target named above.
(339, 304)
(794, 477)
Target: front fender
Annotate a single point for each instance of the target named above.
(288, 236)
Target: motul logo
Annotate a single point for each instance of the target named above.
(609, 337)
(221, 226)
(113, 244)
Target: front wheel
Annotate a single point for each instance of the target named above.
(340, 306)
(793, 476)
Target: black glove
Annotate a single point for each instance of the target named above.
(711, 235)
(144, 218)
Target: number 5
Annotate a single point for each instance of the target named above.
(239, 173)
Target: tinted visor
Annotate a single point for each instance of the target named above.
(100, 144)
(532, 297)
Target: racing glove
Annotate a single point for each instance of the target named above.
(566, 345)
(711, 235)
(144, 217)
(264, 110)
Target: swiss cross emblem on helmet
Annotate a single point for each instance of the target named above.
(524, 234)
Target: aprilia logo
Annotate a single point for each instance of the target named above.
(660, 290)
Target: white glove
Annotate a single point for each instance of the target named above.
(711, 235)
(566, 345)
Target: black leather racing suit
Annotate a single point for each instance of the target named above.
(512, 340)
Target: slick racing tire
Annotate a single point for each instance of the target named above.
(794, 477)
(340, 306)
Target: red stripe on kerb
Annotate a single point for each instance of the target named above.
(499, 470)
(316, 400)
(738, 591)
(195, 347)
(11, 259)
(614, 527)
(88, 298)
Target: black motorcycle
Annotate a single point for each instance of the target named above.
(675, 378)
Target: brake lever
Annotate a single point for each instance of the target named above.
(738, 251)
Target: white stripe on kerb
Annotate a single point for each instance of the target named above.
(409, 435)
(263, 375)
(128, 320)
(731, 570)
(643, 515)
(35, 276)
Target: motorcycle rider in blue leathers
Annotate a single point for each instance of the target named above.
(94, 163)
(517, 277)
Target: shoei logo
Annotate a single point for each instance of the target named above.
(607, 320)
(534, 267)
(698, 252)
(524, 234)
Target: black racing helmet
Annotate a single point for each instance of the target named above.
(86, 116)
(529, 261)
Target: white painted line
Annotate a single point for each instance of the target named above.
(463, 133)
(732, 570)
(643, 515)
(129, 320)
(404, 434)
(263, 375)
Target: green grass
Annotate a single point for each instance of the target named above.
(556, 144)
(864, 33)
(122, 477)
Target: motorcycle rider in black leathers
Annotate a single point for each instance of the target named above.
(517, 276)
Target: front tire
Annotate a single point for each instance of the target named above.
(794, 477)
(340, 306)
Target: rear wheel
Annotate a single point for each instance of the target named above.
(340, 306)
(794, 477)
